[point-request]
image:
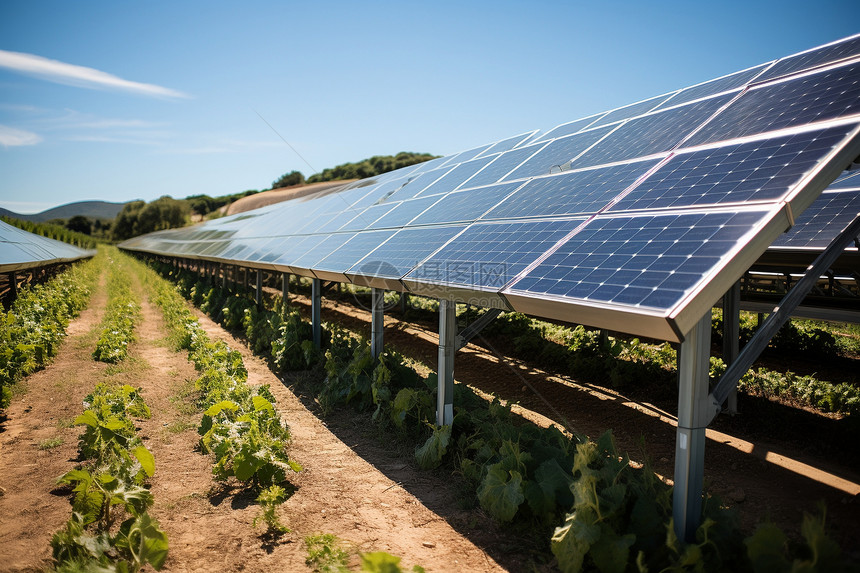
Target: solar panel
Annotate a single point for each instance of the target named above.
(569, 128)
(631, 110)
(713, 87)
(503, 164)
(489, 255)
(644, 261)
(557, 155)
(822, 55)
(848, 179)
(822, 221)
(420, 182)
(801, 100)
(507, 144)
(458, 177)
(353, 250)
(571, 192)
(762, 170)
(406, 249)
(404, 212)
(650, 134)
(465, 205)
(467, 155)
(21, 250)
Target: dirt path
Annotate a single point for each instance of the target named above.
(209, 524)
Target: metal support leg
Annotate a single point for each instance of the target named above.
(316, 315)
(377, 321)
(447, 348)
(285, 288)
(404, 298)
(693, 416)
(13, 285)
(223, 277)
(731, 336)
(258, 292)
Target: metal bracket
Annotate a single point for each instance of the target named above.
(780, 315)
(476, 327)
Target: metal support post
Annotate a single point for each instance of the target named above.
(13, 285)
(693, 416)
(316, 315)
(285, 288)
(377, 321)
(731, 336)
(404, 299)
(223, 276)
(258, 293)
(445, 374)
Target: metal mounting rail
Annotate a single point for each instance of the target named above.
(476, 327)
(780, 315)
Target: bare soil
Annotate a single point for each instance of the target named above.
(373, 501)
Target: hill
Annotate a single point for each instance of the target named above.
(89, 209)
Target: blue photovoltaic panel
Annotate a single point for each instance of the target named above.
(506, 144)
(631, 110)
(404, 212)
(847, 180)
(502, 164)
(312, 256)
(456, 178)
(467, 155)
(822, 221)
(465, 205)
(651, 134)
(763, 170)
(570, 193)
(353, 251)
(419, 183)
(558, 153)
(645, 261)
(295, 247)
(403, 251)
(847, 48)
(568, 128)
(713, 87)
(489, 255)
(799, 101)
(379, 193)
(365, 219)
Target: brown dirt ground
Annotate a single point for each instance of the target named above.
(368, 500)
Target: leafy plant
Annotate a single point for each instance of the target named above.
(269, 499)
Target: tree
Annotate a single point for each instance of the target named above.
(289, 179)
(80, 224)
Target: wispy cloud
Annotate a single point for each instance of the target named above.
(11, 137)
(80, 76)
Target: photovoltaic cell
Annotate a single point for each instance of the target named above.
(763, 170)
(847, 48)
(847, 180)
(415, 186)
(506, 144)
(353, 250)
(467, 155)
(379, 193)
(404, 212)
(631, 110)
(502, 164)
(569, 128)
(403, 251)
(822, 221)
(308, 258)
(465, 205)
(799, 101)
(645, 261)
(713, 87)
(366, 218)
(489, 255)
(570, 193)
(457, 177)
(651, 134)
(557, 154)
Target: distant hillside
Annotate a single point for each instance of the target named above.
(89, 209)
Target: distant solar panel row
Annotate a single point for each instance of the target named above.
(647, 211)
(21, 250)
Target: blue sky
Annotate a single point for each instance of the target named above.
(119, 101)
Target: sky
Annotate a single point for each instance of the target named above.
(115, 101)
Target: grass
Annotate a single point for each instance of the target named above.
(325, 554)
(51, 443)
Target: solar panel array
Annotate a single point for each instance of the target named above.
(20, 250)
(637, 219)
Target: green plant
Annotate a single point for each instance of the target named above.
(51, 443)
(325, 554)
(269, 499)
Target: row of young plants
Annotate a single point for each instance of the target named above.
(122, 314)
(34, 326)
(239, 426)
(110, 529)
(597, 510)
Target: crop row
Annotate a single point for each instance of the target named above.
(597, 509)
(123, 312)
(34, 326)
